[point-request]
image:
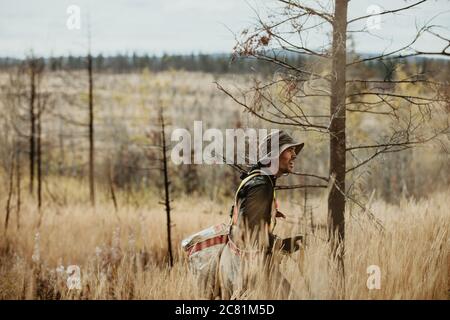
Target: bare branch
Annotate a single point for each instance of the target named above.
(387, 147)
(415, 81)
(387, 12)
(326, 16)
(243, 104)
(388, 54)
(408, 98)
(288, 66)
(310, 175)
(301, 186)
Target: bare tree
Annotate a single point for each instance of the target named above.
(164, 150)
(26, 102)
(42, 102)
(32, 71)
(34, 67)
(18, 185)
(109, 175)
(91, 126)
(297, 94)
(21, 101)
(10, 191)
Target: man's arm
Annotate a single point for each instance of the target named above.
(257, 212)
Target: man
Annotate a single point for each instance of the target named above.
(251, 240)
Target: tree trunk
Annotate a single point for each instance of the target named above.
(38, 153)
(32, 124)
(166, 189)
(18, 180)
(61, 159)
(111, 184)
(10, 190)
(336, 198)
(91, 133)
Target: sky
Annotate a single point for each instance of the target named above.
(185, 26)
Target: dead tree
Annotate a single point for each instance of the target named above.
(109, 174)
(337, 127)
(10, 191)
(32, 122)
(34, 69)
(91, 129)
(41, 106)
(165, 169)
(18, 185)
(297, 94)
(21, 103)
(26, 108)
(39, 154)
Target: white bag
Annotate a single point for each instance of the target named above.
(204, 249)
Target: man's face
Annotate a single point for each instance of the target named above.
(286, 162)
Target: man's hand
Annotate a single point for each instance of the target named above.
(290, 245)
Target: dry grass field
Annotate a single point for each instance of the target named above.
(129, 135)
(122, 254)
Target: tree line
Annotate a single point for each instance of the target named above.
(212, 63)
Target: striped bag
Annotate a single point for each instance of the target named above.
(205, 247)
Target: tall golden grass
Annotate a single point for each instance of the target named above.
(122, 254)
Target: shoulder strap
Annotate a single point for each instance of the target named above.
(252, 174)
